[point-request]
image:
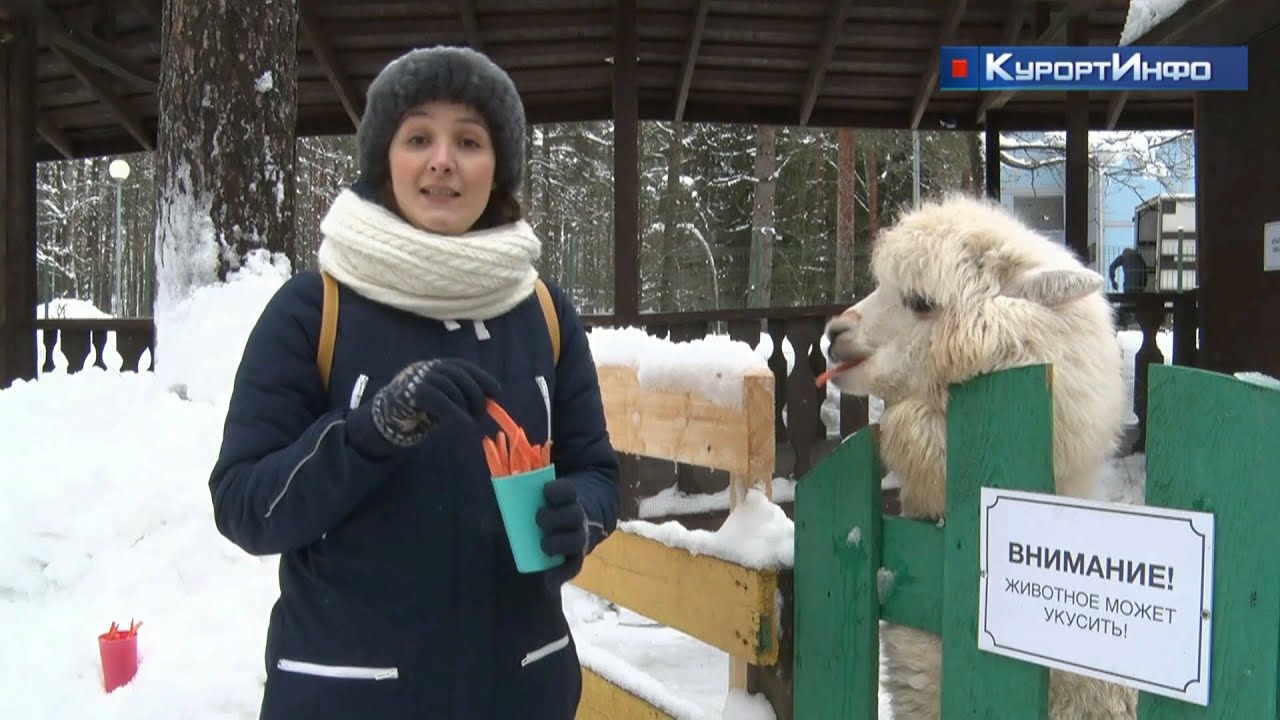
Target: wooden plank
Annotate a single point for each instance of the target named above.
(688, 427)
(1000, 435)
(338, 77)
(691, 56)
(602, 700)
(720, 603)
(1211, 448)
(836, 14)
(54, 136)
(761, 448)
(995, 100)
(913, 554)
(838, 555)
(929, 82)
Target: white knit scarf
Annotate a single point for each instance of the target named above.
(474, 276)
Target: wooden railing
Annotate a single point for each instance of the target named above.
(134, 336)
(802, 437)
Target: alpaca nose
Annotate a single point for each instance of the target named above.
(835, 329)
(835, 332)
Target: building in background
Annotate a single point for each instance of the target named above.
(1033, 186)
(1164, 230)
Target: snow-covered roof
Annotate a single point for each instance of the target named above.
(1145, 15)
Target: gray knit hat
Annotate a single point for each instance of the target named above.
(442, 73)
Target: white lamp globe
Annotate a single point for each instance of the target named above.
(118, 170)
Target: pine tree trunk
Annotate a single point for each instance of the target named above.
(846, 185)
(813, 293)
(977, 163)
(670, 222)
(762, 217)
(873, 192)
(225, 145)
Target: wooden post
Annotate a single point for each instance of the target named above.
(992, 152)
(1076, 212)
(626, 165)
(1150, 314)
(1213, 449)
(18, 199)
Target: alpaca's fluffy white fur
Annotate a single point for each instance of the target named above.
(964, 289)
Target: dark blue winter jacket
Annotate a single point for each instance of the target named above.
(399, 597)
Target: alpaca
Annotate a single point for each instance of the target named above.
(964, 289)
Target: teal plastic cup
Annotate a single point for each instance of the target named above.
(519, 498)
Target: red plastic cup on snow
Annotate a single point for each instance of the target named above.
(118, 650)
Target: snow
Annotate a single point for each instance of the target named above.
(107, 518)
(202, 370)
(711, 366)
(672, 501)
(1145, 15)
(70, 308)
(757, 534)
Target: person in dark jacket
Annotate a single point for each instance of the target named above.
(399, 597)
(1135, 271)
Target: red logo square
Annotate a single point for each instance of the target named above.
(959, 68)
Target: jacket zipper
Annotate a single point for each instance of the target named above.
(546, 400)
(338, 671)
(323, 433)
(544, 651)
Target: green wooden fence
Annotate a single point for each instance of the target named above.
(1212, 447)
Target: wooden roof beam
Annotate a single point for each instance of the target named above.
(324, 52)
(691, 56)
(929, 82)
(153, 10)
(1115, 106)
(1169, 30)
(1055, 30)
(54, 135)
(93, 49)
(470, 25)
(97, 84)
(835, 29)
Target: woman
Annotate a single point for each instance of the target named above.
(399, 597)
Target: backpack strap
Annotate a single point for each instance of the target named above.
(549, 312)
(329, 324)
(328, 328)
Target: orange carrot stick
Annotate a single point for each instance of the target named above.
(529, 458)
(502, 418)
(824, 377)
(491, 456)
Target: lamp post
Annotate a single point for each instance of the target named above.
(119, 171)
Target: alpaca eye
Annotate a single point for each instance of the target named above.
(917, 304)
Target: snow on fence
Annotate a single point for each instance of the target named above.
(708, 403)
(1210, 450)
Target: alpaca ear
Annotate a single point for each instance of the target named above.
(1053, 287)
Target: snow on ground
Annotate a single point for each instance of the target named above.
(106, 517)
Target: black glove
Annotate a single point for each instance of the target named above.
(564, 530)
(420, 397)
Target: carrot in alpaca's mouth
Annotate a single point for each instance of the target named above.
(832, 372)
